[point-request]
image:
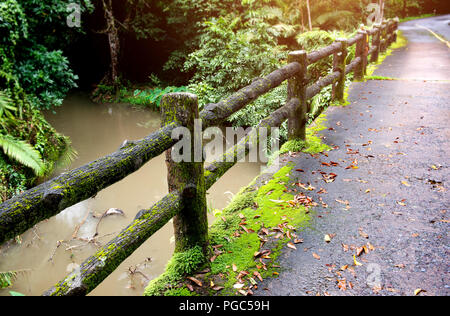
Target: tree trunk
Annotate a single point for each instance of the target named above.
(114, 41)
(381, 3)
(309, 14)
(301, 14)
(404, 8)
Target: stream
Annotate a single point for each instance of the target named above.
(45, 254)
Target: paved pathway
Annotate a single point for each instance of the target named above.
(395, 203)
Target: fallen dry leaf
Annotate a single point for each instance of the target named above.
(342, 284)
(197, 282)
(363, 234)
(316, 256)
(355, 262)
(258, 275)
(418, 291)
(218, 288)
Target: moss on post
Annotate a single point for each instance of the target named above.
(297, 89)
(376, 43)
(191, 224)
(339, 64)
(362, 50)
(384, 37)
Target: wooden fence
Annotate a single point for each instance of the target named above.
(188, 181)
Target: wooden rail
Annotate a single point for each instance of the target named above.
(188, 182)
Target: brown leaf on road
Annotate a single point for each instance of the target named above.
(418, 291)
(316, 256)
(292, 246)
(342, 284)
(345, 247)
(363, 234)
(359, 251)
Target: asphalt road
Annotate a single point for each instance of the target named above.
(391, 209)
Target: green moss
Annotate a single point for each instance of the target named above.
(183, 291)
(401, 42)
(314, 142)
(182, 264)
(264, 207)
(380, 78)
(344, 101)
(267, 207)
(410, 18)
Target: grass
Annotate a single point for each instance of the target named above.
(410, 18)
(401, 42)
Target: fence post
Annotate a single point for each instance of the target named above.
(388, 33)
(185, 171)
(384, 38)
(361, 51)
(395, 29)
(376, 43)
(297, 89)
(339, 64)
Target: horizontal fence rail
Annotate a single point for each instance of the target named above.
(48, 199)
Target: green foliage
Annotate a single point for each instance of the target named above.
(46, 76)
(142, 96)
(233, 52)
(151, 97)
(5, 105)
(7, 279)
(23, 153)
(30, 53)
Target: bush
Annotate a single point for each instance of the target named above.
(232, 53)
(46, 76)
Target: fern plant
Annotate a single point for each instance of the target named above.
(151, 97)
(5, 105)
(17, 149)
(7, 279)
(23, 153)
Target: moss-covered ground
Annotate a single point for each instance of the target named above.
(247, 237)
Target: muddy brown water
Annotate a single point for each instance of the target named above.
(47, 253)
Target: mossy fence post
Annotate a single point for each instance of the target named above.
(187, 176)
(339, 64)
(395, 29)
(376, 43)
(362, 50)
(384, 36)
(297, 89)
